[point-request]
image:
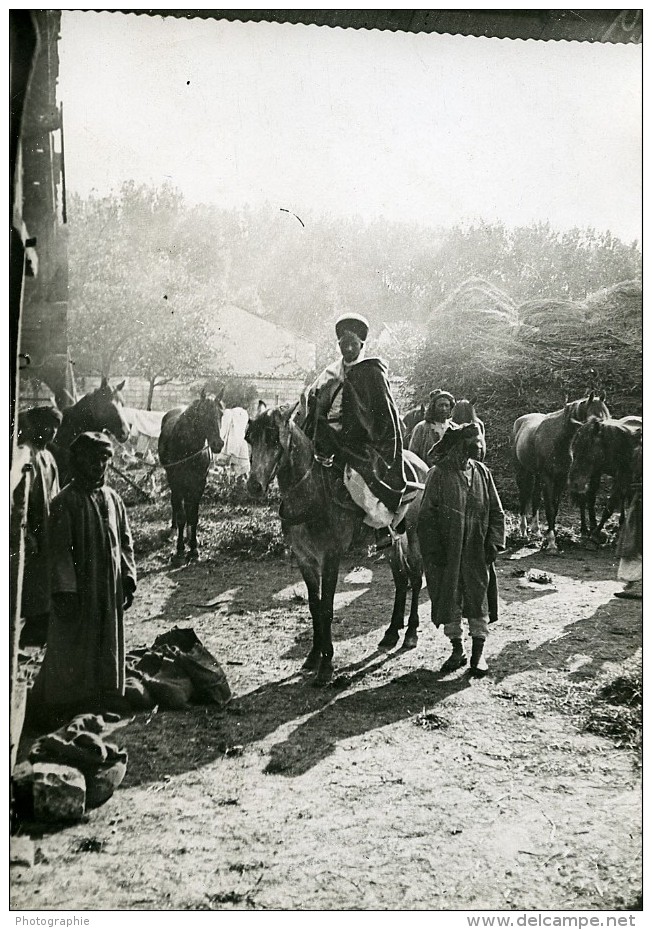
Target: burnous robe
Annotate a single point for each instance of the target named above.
(461, 518)
(92, 557)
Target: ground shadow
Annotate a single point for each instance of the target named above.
(357, 713)
(206, 735)
(612, 634)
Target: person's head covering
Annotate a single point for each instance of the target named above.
(33, 423)
(453, 436)
(435, 395)
(352, 323)
(91, 442)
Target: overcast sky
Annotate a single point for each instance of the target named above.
(437, 129)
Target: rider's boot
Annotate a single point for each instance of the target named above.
(479, 666)
(456, 659)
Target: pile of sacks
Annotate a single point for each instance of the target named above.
(69, 771)
(177, 670)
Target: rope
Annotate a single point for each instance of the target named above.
(188, 457)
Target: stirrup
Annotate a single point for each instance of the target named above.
(325, 460)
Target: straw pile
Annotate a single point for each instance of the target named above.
(514, 360)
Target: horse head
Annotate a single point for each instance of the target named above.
(103, 410)
(269, 436)
(593, 407)
(586, 454)
(208, 415)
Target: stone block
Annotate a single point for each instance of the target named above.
(21, 851)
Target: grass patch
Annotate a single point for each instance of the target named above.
(616, 709)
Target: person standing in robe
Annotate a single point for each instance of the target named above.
(630, 543)
(36, 428)
(431, 429)
(461, 529)
(93, 580)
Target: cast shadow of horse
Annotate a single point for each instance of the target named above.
(207, 735)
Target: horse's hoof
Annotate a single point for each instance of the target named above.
(312, 662)
(411, 640)
(389, 640)
(178, 558)
(324, 674)
(193, 555)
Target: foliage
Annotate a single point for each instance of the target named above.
(146, 269)
(134, 305)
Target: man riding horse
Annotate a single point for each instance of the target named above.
(353, 419)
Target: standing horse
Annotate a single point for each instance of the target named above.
(320, 521)
(541, 452)
(188, 436)
(97, 411)
(410, 420)
(603, 447)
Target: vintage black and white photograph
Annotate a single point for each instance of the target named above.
(326, 516)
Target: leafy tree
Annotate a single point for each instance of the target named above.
(135, 300)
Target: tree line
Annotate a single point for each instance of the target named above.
(147, 270)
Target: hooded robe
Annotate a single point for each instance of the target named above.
(460, 517)
(92, 556)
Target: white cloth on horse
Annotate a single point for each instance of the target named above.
(235, 451)
(377, 515)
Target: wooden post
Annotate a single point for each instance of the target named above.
(21, 477)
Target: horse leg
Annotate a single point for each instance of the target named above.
(525, 482)
(536, 504)
(397, 561)
(178, 519)
(311, 577)
(581, 500)
(551, 505)
(192, 517)
(591, 496)
(415, 568)
(614, 500)
(329, 575)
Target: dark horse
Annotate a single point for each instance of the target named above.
(603, 447)
(410, 420)
(97, 411)
(320, 521)
(541, 451)
(188, 436)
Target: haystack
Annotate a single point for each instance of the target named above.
(476, 302)
(514, 360)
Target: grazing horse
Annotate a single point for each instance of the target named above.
(188, 436)
(603, 447)
(410, 420)
(320, 521)
(97, 411)
(541, 453)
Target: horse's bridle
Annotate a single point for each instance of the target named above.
(277, 465)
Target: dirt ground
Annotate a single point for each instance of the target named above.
(392, 788)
